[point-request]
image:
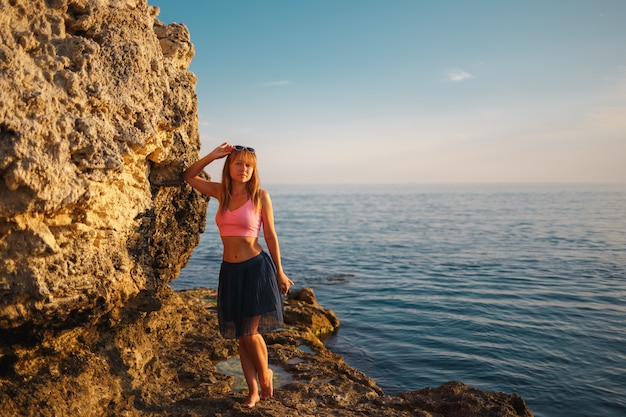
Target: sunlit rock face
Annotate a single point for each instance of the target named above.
(98, 117)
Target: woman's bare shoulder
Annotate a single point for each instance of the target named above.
(265, 195)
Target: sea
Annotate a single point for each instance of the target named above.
(516, 288)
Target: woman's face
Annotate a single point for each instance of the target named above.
(240, 170)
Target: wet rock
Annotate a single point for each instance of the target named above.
(303, 312)
(455, 399)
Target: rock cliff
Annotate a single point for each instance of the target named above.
(98, 118)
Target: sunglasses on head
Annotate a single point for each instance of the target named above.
(240, 148)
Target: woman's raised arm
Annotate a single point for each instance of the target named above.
(209, 188)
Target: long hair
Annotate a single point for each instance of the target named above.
(253, 186)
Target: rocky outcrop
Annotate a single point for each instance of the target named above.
(162, 358)
(98, 118)
(305, 313)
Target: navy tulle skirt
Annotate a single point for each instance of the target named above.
(248, 299)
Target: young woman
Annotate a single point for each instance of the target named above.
(250, 281)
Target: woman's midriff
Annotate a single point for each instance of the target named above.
(240, 248)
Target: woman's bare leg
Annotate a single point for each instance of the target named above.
(249, 373)
(257, 352)
(255, 362)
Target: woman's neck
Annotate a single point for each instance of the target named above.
(239, 191)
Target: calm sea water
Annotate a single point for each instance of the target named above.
(512, 288)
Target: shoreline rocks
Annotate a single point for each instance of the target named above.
(160, 356)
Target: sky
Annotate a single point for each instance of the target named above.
(413, 91)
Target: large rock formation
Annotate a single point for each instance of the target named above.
(98, 118)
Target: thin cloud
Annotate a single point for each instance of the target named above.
(275, 83)
(457, 75)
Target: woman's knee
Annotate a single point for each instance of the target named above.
(248, 338)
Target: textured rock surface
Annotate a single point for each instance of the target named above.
(98, 116)
(161, 359)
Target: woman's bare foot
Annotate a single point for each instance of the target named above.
(251, 401)
(267, 388)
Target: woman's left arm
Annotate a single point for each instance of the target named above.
(271, 240)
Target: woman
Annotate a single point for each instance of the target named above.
(250, 282)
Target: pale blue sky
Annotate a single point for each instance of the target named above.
(413, 91)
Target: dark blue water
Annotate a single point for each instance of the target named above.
(512, 288)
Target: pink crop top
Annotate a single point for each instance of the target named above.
(244, 221)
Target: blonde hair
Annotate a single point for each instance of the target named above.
(253, 185)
